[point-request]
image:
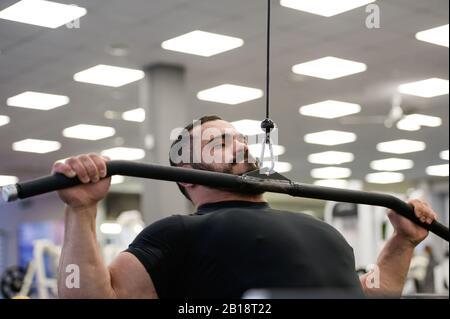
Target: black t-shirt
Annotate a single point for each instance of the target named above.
(227, 248)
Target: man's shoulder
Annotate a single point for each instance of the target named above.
(170, 223)
(308, 220)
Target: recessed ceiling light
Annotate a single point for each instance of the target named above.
(401, 146)
(392, 164)
(109, 75)
(89, 132)
(124, 153)
(4, 120)
(444, 155)
(336, 183)
(329, 68)
(282, 167)
(414, 122)
(117, 179)
(8, 180)
(426, 88)
(331, 172)
(230, 94)
(331, 158)
(385, 178)
(248, 127)
(438, 170)
(330, 138)
(42, 13)
(325, 8)
(438, 35)
(255, 150)
(202, 43)
(408, 126)
(36, 146)
(110, 228)
(329, 109)
(37, 100)
(135, 115)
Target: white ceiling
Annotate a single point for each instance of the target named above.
(41, 59)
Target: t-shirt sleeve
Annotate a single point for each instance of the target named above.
(161, 248)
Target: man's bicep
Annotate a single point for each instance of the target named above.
(130, 279)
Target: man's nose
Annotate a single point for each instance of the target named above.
(241, 146)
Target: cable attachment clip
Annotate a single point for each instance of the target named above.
(267, 125)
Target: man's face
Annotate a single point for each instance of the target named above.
(223, 149)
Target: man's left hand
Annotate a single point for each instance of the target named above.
(407, 229)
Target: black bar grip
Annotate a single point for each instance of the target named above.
(234, 182)
(45, 185)
(368, 198)
(133, 169)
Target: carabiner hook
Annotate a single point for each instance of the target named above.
(267, 125)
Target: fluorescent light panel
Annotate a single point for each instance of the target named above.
(248, 127)
(402, 146)
(329, 68)
(331, 172)
(89, 132)
(438, 170)
(385, 178)
(124, 153)
(325, 8)
(426, 88)
(202, 43)
(444, 155)
(414, 122)
(230, 94)
(36, 146)
(282, 167)
(109, 75)
(4, 120)
(329, 109)
(438, 35)
(331, 158)
(330, 138)
(392, 164)
(135, 115)
(255, 150)
(42, 13)
(37, 100)
(8, 180)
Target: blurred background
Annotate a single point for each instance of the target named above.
(359, 93)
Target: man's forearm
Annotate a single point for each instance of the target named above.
(393, 266)
(82, 250)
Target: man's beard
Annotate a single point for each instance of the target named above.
(229, 168)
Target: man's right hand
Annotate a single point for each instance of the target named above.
(91, 170)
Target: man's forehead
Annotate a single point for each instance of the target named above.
(221, 125)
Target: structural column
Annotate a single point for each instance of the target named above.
(163, 95)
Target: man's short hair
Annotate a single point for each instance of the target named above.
(189, 128)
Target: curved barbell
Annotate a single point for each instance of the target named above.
(247, 183)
